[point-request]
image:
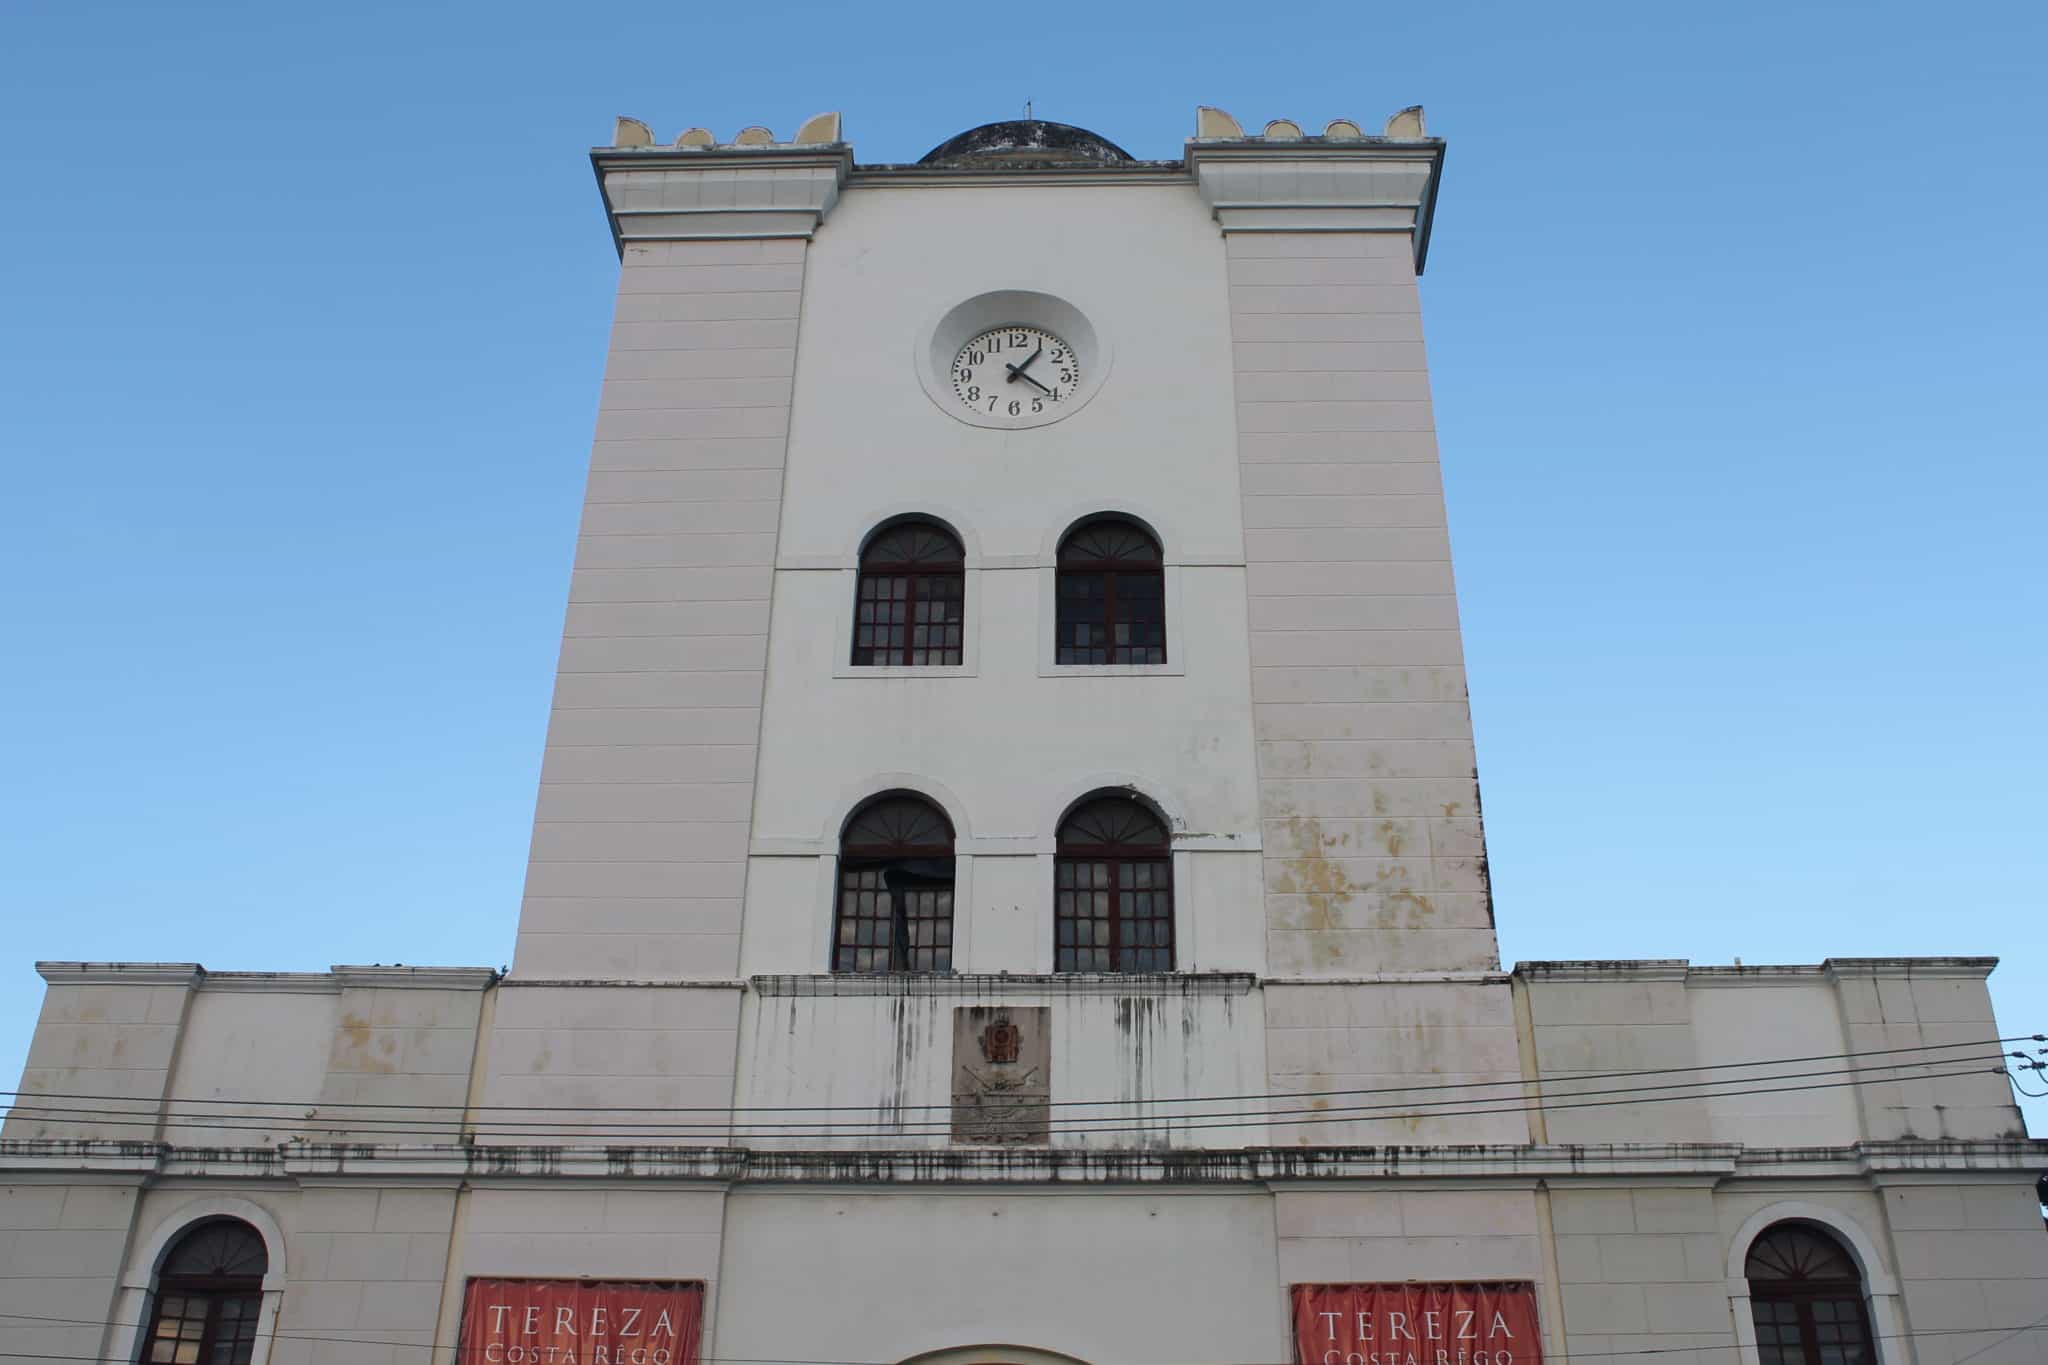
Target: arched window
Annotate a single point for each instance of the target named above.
(895, 889)
(1112, 595)
(208, 1296)
(1113, 874)
(909, 607)
(1806, 1297)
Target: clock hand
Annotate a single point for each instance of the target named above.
(1017, 373)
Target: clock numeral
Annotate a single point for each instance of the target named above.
(1038, 405)
(1015, 407)
(992, 403)
(1019, 340)
(1066, 376)
(976, 358)
(974, 393)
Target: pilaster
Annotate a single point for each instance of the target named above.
(1369, 800)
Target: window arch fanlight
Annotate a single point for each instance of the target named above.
(1113, 889)
(1806, 1297)
(895, 909)
(208, 1296)
(910, 606)
(1111, 595)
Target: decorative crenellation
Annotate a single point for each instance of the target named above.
(819, 130)
(1215, 125)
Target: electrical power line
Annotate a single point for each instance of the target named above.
(1443, 1109)
(1449, 1107)
(1058, 1104)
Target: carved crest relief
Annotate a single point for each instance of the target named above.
(1002, 1064)
(999, 1041)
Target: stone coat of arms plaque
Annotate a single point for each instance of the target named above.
(1002, 1073)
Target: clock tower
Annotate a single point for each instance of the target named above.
(1162, 433)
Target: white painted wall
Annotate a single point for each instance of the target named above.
(1740, 1022)
(1104, 1276)
(893, 1054)
(1007, 742)
(267, 1049)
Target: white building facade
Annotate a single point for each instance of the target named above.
(1008, 882)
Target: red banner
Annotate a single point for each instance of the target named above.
(580, 1322)
(1492, 1323)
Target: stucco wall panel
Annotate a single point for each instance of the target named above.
(1409, 1047)
(603, 1048)
(635, 1234)
(1901, 1009)
(1743, 1023)
(1338, 473)
(673, 565)
(1972, 1267)
(60, 1251)
(97, 1039)
(1109, 1275)
(1394, 1235)
(1640, 1269)
(269, 1050)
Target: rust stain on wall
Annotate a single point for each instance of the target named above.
(358, 1047)
(1320, 882)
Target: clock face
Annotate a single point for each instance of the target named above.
(1016, 371)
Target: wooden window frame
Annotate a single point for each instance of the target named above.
(1121, 859)
(1802, 1294)
(919, 576)
(216, 1293)
(862, 857)
(1068, 564)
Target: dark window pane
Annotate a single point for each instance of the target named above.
(1806, 1298)
(895, 889)
(1111, 598)
(1113, 902)
(912, 590)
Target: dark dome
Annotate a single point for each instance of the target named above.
(1026, 142)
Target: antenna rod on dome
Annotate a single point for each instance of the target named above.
(1027, 109)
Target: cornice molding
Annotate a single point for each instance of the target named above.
(379, 977)
(121, 973)
(271, 983)
(953, 177)
(1970, 968)
(1600, 969)
(1375, 185)
(307, 1163)
(999, 985)
(703, 983)
(687, 194)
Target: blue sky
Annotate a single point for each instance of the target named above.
(1735, 316)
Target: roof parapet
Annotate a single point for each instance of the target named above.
(1342, 179)
(819, 130)
(1217, 125)
(757, 187)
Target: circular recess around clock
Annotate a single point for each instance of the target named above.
(1012, 359)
